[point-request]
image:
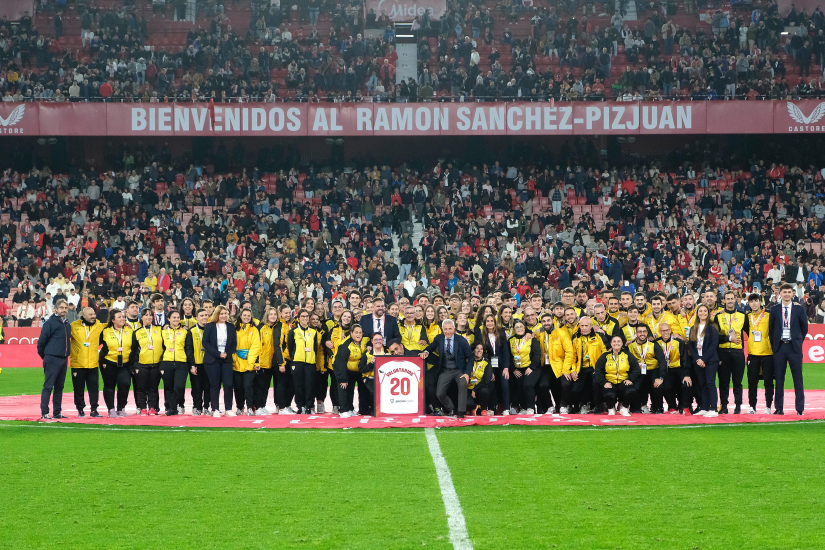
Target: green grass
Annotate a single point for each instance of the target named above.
(217, 489)
(744, 487)
(15, 381)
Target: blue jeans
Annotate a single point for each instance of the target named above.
(313, 16)
(404, 272)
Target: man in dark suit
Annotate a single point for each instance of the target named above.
(788, 327)
(387, 325)
(455, 364)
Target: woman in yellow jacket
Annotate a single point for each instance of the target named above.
(346, 366)
(302, 345)
(263, 380)
(245, 362)
(116, 356)
(198, 380)
(525, 369)
(148, 341)
(433, 328)
(188, 317)
(173, 367)
(323, 371)
(85, 361)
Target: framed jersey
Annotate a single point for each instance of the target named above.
(399, 385)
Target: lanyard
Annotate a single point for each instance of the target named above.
(643, 350)
(172, 335)
(196, 329)
(667, 349)
(519, 344)
(656, 325)
(148, 336)
(785, 315)
(119, 337)
(730, 320)
(689, 316)
(88, 332)
(755, 324)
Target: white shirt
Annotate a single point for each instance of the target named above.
(700, 340)
(221, 337)
(379, 324)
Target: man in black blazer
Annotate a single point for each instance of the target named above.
(454, 364)
(387, 325)
(788, 327)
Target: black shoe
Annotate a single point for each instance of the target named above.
(459, 416)
(437, 412)
(44, 417)
(81, 414)
(449, 413)
(798, 413)
(737, 410)
(94, 414)
(659, 411)
(778, 412)
(59, 416)
(723, 410)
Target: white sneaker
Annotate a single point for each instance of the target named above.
(529, 411)
(752, 410)
(491, 412)
(767, 410)
(287, 410)
(320, 408)
(700, 413)
(711, 414)
(230, 412)
(513, 410)
(239, 412)
(345, 414)
(505, 412)
(624, 411)
(564, 410)
(611, 412)
(645, 410)
(335, 409)
(216, 413)
(112, 413)
(262, 412)
(181, 410)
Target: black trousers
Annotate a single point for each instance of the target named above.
(115, 379)
(54, 372)
(500, 393)
(760, 367)
(581, 389)
(548, 390)
(219, 373)
(83, 380)
(480, 399)
(707, 385)
(284, 388)
(173, 374)
(677, 394)
(647, 390)
(524, 387)
(621, 392)
(431, 387)
(201, 390)
(731, 364)
(303, 377)
(260, 388)
(243, 383)
(366, 396)
(325, 380)
(346, 395)
(447, 377)
(783, 357)
(147, 382)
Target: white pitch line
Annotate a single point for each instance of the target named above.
(455, 517)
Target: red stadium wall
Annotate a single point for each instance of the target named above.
(405, 119)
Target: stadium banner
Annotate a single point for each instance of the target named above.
(404, 11)
(399, 385)
(412, 119)
(21, 335)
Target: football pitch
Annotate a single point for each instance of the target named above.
(731, 486)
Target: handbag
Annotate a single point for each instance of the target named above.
(242, 353)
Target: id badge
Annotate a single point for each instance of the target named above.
(687, 332)
(643, 366)
(120, 350)
(86, 344)
(757, 336)
(150, 347)
(307, 350)
(518, 361)
(546, 358)
(786, 334)
(494, 362)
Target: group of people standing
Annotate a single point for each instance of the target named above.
(621, 353)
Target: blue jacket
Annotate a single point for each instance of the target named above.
(461, 350)
(55, 338)
(708, 353)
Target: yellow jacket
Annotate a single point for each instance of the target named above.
(249, 338)
(174, 344)
(151, 282)
(145, 338)
(588, 349)
(116, 344)
(267, 346)
(558, 349)
(85, 344)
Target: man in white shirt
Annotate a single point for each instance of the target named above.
(788, 326)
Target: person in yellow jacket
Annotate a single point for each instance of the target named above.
(263, 380)
(525, 369)
(733, 329)
(147, 339)
(760, 354)
(116, 358)
(577, 384)
(558, 355)
(366, 384)
(617, 375)
(188, 317)
(85, 334)
(478, 387)
(173, 367)
(151, 282)
(302, 344)
(245, 362)
(198, 380)
(346, 365)
(284, 387)
(337, 331)
(653, 369)
(324, 378)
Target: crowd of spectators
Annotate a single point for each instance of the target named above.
(149, 224)
(492, 51)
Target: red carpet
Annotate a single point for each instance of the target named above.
(27, 407)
